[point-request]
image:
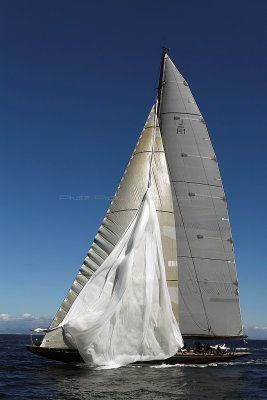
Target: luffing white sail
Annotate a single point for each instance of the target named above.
(122, 210)
(124, 314)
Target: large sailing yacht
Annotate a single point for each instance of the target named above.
(174, 153)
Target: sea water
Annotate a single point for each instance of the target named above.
(24, 375)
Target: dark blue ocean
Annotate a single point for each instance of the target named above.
(26, 376)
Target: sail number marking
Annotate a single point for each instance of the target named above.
(181, 130)
(180, 127)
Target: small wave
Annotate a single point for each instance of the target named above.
(259, 361)
(184, 365)
(256, 349)
(179, 365)
(259, 349)
(111, 366)
(166, 366)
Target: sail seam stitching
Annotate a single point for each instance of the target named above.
(184, 113)
(135, 209)
(206, 258)
(148, 151)
(199, 183)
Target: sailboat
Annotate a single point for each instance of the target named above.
(174, 160)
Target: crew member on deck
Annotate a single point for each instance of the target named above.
(218, 350)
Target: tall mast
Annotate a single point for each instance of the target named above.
(164, 51)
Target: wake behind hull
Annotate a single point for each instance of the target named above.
(73, 356)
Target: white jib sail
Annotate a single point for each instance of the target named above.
(124, 313)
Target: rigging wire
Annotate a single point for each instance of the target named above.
(153, 144)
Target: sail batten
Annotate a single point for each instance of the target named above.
(208, 289)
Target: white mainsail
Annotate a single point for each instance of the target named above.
(208, 287)
(123, 207)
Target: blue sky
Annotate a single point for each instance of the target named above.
(77, 81)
